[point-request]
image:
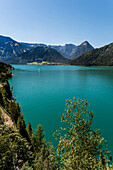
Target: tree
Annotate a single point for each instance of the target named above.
(80, 147)
(21, 126)
(45, 157)
(14, 150)
(14, 110)
(1, 118)
(37, 138)
(29, 130)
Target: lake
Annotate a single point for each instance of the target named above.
(42, 92)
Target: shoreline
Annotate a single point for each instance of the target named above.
(46, 63)
(51, 64)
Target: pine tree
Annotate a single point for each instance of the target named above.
(29, 129)
(21, 126)
(37, 138)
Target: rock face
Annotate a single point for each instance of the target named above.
(33, 45)
(9, 49)
(84, 47)
(66, 50)
(72, 51)
(97, 57)
(40, 54)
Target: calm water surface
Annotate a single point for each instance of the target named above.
(42, 91)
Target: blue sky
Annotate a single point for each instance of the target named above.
(58, 21)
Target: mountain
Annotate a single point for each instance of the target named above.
(72, 51)
(84, 47)
(66, 50)
(33, 45)
(97, 57)
(40, 54)
(9, 49)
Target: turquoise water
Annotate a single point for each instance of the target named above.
(42, 91)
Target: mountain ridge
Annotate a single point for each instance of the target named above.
(82, 48)
(65, 50)
(96, 57)
(10, 49)
(70, 51)
(40, 54)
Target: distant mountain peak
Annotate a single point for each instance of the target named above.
(40, 54)
(66, 50)
(82, 48)
(5, 38)
(96, 57)
(85, 43)
(9, 49)
(70, 44)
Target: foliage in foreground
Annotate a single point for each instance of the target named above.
(17, 153)
(14, 150)
(80, 147)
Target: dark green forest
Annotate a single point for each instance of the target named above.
(97, 57)
(21, 147)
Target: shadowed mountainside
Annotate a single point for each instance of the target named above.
(97, 57)
(9, 49)
(84, 47)
(40, 54)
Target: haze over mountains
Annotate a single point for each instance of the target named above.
(10, 50)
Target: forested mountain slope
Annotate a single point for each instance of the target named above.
(97, 57)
